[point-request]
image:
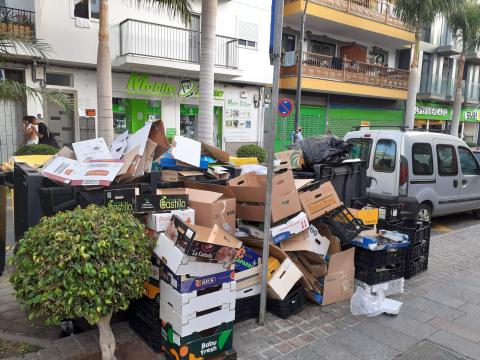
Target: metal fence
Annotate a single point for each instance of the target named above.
(18, 22)
(172, 43)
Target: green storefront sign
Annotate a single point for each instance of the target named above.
(444, 112)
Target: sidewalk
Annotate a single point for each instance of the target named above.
(440, 315)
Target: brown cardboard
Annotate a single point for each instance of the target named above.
(174, 175)
(157, 135)
(314, 263)
(319, 201)
(308, 240)
(290, 159)
(309, 280)
(149, 155)
(335, 246)
(215, 152)
(300, 183)
(339, 281)
(213, 205)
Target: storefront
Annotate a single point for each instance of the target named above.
(137, 98)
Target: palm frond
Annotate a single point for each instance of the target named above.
(465, 24)
(13, 90)
(12, 44)
(181, 9)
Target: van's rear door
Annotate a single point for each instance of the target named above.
(361, 149)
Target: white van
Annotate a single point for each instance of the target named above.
(427, 174)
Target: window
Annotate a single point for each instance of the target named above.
(468, 162)
(422, 159)
(425, 80)
(426, 33)
(288, 42)
(385, 155)
(86, 9)
(360, 149)
(59, 79)
(247, 34)
(323, 48)
(447, 160)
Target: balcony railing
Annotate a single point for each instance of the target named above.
(470, 90)
(166, 42)
(382, 11)
(338, 69)
(17, 22)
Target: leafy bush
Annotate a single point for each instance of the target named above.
(471, 144)
(85, 263)
(36, 149)
(251, 150)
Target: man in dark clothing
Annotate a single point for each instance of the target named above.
(44, 134)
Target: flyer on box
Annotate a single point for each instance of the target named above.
(94, 149)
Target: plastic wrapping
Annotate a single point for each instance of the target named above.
(364, 303)
(321, 150)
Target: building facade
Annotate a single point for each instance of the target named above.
(155, 68)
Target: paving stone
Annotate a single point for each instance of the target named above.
(284, 335)
(297, 342)
(271, 354)
(330, 329)
(326, 350)
(457, 344)
(387, 335)
(52, 353)
(442, 298)
(436, 309)
(14, 314)
(414, 313)
(468, 334)
(284, 348)
(469, 321)
(406, 325)
(308, 338)
(68, 346)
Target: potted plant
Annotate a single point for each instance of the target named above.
(23, 24)
(251, 151)
(86, 263)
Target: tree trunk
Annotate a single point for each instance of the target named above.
(104, 77)
(107, 340)
(207, 61)
(413, 82)
(458, 98)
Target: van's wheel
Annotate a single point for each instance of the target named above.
(424, 212)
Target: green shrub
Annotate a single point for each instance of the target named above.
(36, 149)
(471, 144)
(251, 150)
(85, 263)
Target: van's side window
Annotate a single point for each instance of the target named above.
(360, 149)
(468, 162)
(447, 160)
(422, 159)
(385, 155)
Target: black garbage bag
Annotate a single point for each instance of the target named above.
(322, 150)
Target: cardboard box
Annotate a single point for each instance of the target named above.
(206, 344)
(290, 159)
(151, 291)
(188, 305)
(186, 283)
(210, 243)
(247, 278)
(314, 263)
(185, 326)
(186, 150)
(250, 230)
(214, 205)
(319, 201)
(122, 198)
(293, 226)
(339, 281)
(182, 264)
(93, 149)
(308, 240)
(368, 216)
(158, 222)
(216, 153)
(175, 176)
(246, 259)
(250, 190)
(151, 203)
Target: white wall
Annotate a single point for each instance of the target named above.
(21, 4)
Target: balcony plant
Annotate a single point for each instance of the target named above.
(86, 263)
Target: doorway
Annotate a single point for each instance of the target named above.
(189, 121)
(60, 123)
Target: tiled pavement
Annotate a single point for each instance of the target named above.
(441, 305)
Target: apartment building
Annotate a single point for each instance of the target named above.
(155, 69)
(439, 60)
(355, 65)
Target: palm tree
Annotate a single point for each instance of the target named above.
(12, 45)
(207, 67)
(175, 8)
(465, 26)
(416, 14)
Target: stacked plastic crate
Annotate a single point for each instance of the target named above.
(197, 286)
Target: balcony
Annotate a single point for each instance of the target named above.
(324, 73)
(162, 46)
(17, 22)
(444, 90)
(362, 20)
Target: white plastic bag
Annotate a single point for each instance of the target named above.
(257, 169)
(364, 303)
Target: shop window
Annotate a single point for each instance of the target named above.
(468, 162)
(58, 79)
(422, 159)
(86, 9)
(385, 155)
(447, 160)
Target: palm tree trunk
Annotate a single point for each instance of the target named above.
(104, 77)
(413, 82)
(207, 61)
(458, 98)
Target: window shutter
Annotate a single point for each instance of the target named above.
(247, 31)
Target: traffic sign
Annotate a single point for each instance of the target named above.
(285, 107)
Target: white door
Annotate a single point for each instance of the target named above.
(60, 123)
(470, 179)
(385, 166)
(448, 177)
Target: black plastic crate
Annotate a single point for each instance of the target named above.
(293, 302)
(152, 335)
(343, 224)
(390, 213)
(147, 310)
(365, 258)
(416, 251)
(416, 267)
(372, 276)
(416, 230)
(247, 308)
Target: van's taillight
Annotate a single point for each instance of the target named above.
(403, 180)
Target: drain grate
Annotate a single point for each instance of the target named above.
(427, 350)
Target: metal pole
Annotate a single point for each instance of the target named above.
(269, 134)
(298, 98)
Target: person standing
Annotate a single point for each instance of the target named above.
(299, 136)
(30, 130)
(44, 134)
